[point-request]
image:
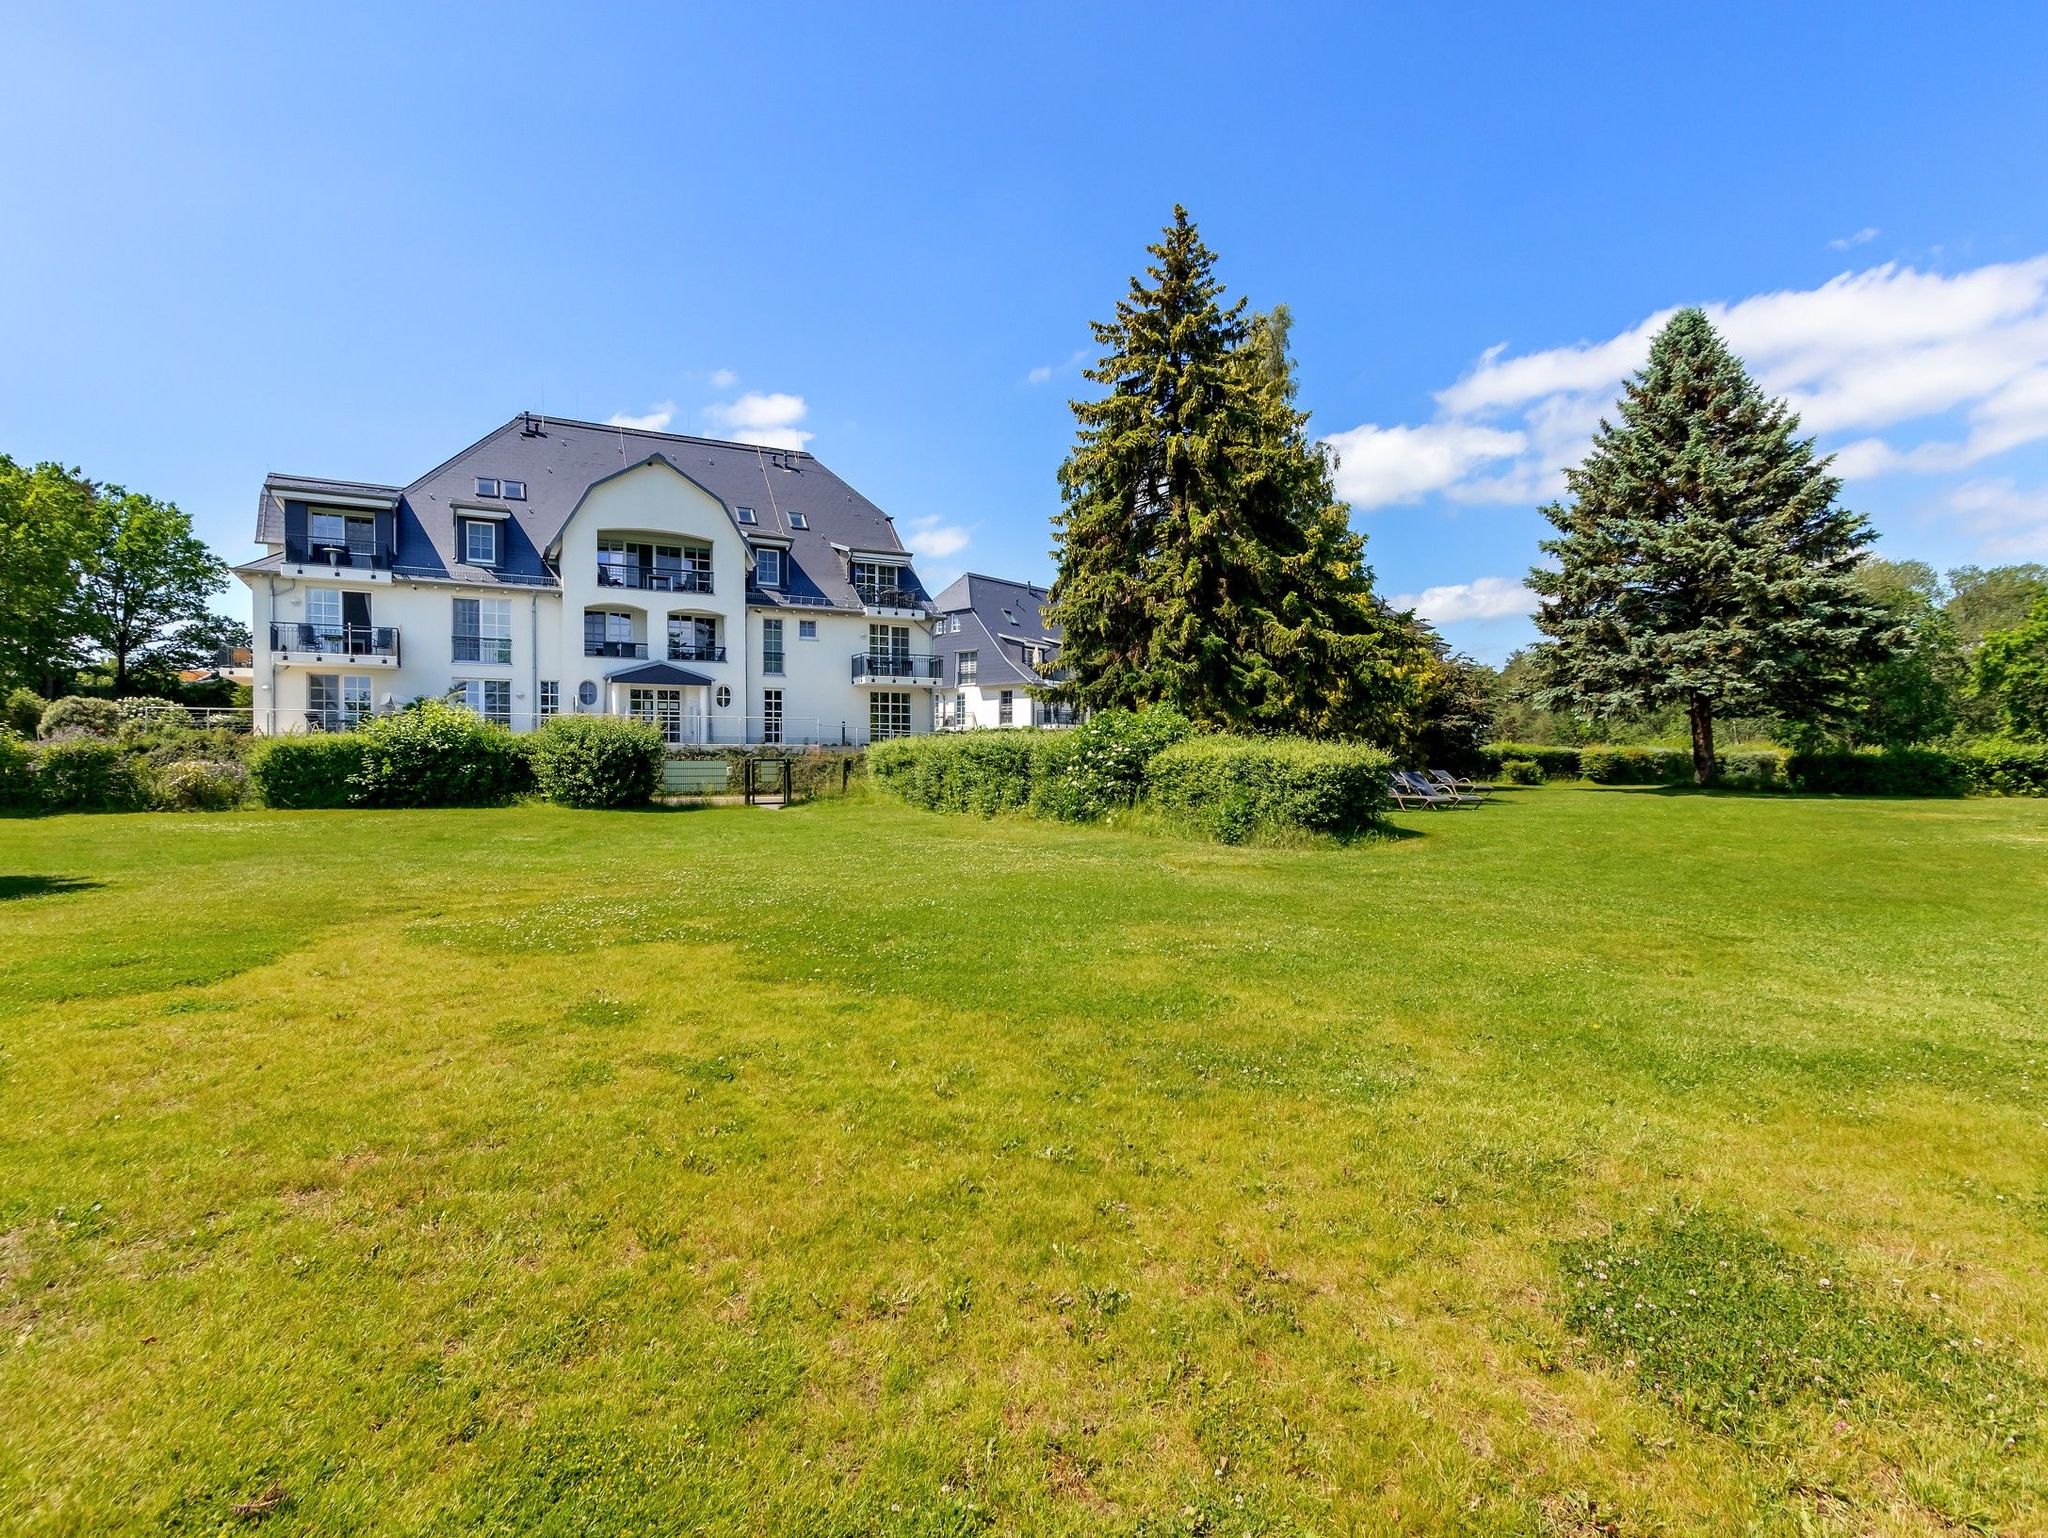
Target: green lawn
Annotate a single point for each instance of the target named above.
(1598, 1162)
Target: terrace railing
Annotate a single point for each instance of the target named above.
(341, 640)
(656, 579)
(898, 665)
(615, 649)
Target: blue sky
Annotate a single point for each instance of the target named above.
(349, 240)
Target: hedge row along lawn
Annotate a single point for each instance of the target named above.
(1598, 1161)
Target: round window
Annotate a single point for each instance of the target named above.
(587, 692)
(724, 696)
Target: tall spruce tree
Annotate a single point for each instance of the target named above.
(1702, 560)
(1204, 559)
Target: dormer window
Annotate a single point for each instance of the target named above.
(486, 486)
(515, 491)
(479, 542)
(768, 568)
(745, 515)
(799, 521)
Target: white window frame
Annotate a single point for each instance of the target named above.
(888, 708)
(486, 485)
(490, 698)
(967, 667)
(1006, 707)
(471, 527)
(771, 715)
(550, 701)
(774, 660)
(807, 630)
(768, 568)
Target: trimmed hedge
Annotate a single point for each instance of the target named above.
(88, 774)
(1519, 771)
(1556, 763)
(980, 771)
(17, 775)
(1753, 769)
(1636, 766)
(307, 773)
(2002, 767)
(1871, 772)
(599, 762)
(1100, 767)
(199, 785)
(1235, 787)
(437, 754)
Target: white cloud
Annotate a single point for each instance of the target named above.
(2009, 523)
(654, 420)
(1957, 362)
(723, 379)
(1045, 371)
(931, 538)
(1864, 236)
(1482, 598)
(769, 419)
(1378, 465)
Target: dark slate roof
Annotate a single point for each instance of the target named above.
(656, 673)
(995, 614)
(277, 487)
(559, 461)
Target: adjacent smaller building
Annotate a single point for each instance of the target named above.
(995, 648)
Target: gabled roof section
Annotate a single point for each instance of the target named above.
(666, 674)
(279, 488)
(554, 544)
(995, 614)
(558, 461)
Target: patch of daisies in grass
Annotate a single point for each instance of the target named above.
(1719, 1320)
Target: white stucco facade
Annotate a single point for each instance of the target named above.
(642, 607)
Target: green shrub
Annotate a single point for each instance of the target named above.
(1235, 787)
(80, 713)
(1869, 772)
(597, 761)
(22, 712)
(437, 754)
(1099, 767)
(1753, 768)
(160, 747)
(1636, 766)
(88, 774)
(197, 785)
(17, 774)
(1999, 766)
(305, 772)
(153, 713)
(1555, 762)
(980, 771)
(1520, 771)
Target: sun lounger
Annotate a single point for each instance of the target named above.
(1422, 785)
(1407, 798)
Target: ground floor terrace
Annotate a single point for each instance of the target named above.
(1594, 1162)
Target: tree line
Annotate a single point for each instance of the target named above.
(102, 590)
(1704, 578)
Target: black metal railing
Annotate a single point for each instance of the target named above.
(656, 579)
(479, 648)
(340, 640)
(336, 720)
(891, 597)
(340, 557)
(895, 665)
(615, 649)
(685, 651)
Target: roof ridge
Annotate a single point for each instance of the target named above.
(649, 432)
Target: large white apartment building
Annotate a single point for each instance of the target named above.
(731, 593)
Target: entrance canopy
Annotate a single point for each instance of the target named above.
(664, 675)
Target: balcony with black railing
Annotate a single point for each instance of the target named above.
(482, 648)
(891, 599)
(372, 643)
(655, 579)
(688, 651)
(636, 649)
(897, 667)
